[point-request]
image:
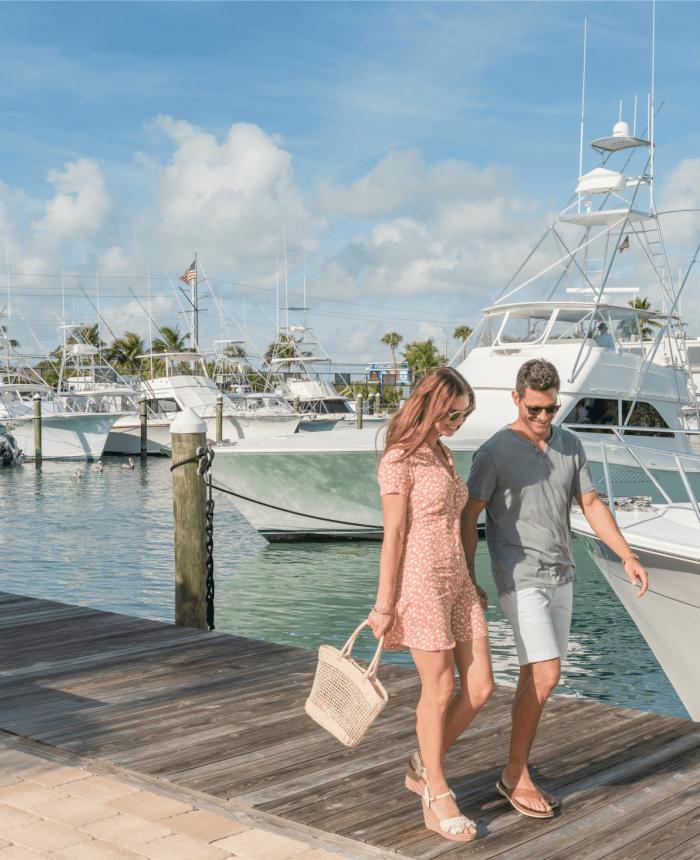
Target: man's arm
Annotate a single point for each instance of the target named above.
(603, 524)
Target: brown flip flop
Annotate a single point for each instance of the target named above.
(509, 794)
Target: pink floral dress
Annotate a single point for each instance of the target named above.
(436, 601)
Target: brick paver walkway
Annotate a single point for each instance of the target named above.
(50, 810)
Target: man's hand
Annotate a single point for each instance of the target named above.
(483, 596)
(636, 573)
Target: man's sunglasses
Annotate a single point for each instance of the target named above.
(534, 411)
(461, 413)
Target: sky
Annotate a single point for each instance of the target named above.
(402, 157)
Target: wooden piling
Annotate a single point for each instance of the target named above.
(188, 433)
(295, 404)
(377, 403)
(219, 417)
(37, 430)
(143, 420)
(358, 411)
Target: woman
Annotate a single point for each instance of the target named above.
(427, 599)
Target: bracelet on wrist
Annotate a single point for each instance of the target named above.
(629, 558)
(379, 612)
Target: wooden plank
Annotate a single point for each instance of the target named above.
(224, 715)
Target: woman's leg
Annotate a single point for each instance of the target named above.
(436, 670)
(473, 659)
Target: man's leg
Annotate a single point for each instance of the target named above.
(538, 617)
(537, 680)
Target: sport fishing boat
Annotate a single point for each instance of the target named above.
(666, 536)
(624, 368)
(245, 416)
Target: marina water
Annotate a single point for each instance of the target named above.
(104, 539)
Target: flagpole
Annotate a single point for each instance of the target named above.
(194, 328)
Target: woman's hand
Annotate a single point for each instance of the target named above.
(483, 596)
(380, 622)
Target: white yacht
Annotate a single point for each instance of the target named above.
(666, 536)
(623, 369)
(296, 367)
(70, 430)
(244, 415)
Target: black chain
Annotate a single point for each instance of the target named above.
(205, 457)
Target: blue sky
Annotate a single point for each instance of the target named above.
(411, 151)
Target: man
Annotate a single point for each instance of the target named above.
(604, 338)
(527, 476)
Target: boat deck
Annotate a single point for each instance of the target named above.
(223, 715)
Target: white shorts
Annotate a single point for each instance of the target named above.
(541, 619)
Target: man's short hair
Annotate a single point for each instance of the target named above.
(537, 374)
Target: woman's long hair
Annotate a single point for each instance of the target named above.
(411, 425)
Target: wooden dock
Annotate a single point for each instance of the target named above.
(223, 715)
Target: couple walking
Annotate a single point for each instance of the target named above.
(526, 477)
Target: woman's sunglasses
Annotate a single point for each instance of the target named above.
(462, 414)
(534, 411)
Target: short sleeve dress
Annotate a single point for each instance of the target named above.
(436, 601)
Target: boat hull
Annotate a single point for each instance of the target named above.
(125, 437)
(668, 616)
(64, 436)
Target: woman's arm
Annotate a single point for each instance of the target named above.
(394, 508)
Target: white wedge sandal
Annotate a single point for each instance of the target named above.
(456, 829)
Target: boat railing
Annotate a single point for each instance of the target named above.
(634, 451)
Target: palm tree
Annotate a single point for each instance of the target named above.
(11, 341)
(234, 350)
(462, 332)
(643, 324)
(392, 339)
(170, 340)
(422, 356)
(125, 350)
(89, 334)
(284, 347)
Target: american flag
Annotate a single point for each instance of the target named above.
(190, 273)
(624, 244)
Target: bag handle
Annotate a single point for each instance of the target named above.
(346, 650)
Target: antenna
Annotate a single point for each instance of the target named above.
(7, 262)
(286, 280)
(634, 121)
(651, 109)
(619, 111)
(583, 105)
(150, 319)
(97, 299)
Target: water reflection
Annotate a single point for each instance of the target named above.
(105, 540)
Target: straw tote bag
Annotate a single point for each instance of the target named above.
(346, 698)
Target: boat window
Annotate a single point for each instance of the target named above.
(523, 327)
(643, 415)
(485, 332)
(569, 326)
(324, 407)
(592, 414)
(161, 406)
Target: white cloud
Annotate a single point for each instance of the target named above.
(438, 228)
(80, 203)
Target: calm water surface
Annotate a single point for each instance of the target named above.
(105, 540)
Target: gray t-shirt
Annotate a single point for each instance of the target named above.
(528, 495)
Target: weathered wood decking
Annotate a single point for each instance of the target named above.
(224, 715)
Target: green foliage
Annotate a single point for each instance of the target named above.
(422, 356)
(170, 340)
(124, 352)
(462, 332)
(643, 325)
